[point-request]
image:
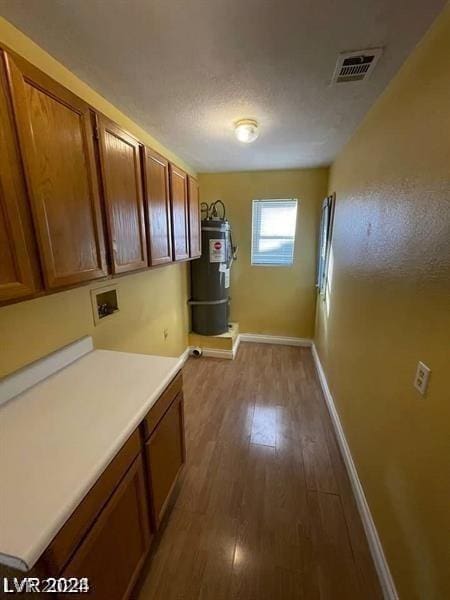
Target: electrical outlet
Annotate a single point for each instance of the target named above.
(166, 333)
(421, 378)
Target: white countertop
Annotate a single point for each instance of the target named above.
(58, 437)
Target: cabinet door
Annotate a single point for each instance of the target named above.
(124, 203)
(112, 553)
(19, 274)
(157, 200)
(195, 234)
(165, 456)
(180, 232)
(77, 526)
(56, 140)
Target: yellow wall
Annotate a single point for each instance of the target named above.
(271, 300)
(389, 307)
(150, 301)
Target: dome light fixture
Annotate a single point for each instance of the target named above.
(246, 130)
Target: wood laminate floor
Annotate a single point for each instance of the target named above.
(265, 509)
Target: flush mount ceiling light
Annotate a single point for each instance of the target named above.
(246, 130)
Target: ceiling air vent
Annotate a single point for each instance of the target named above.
(355, 66)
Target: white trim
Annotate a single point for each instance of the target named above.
(236, 344)
(215, 352)
(259, 338)
(376, 549)
(20, 381)
(13, 562)
(185, 355)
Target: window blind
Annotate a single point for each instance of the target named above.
(273, 232)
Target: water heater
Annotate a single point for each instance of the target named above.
(210, 274)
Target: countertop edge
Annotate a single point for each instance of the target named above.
(34, 553)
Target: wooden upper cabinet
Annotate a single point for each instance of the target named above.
(122, 188)
(19, 272)
(180, 215)
(56, 141)
(195, 234)
(157, 201)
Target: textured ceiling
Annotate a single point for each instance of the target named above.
(186, 69)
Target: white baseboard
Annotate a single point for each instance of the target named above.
(259, 338)
(236, 345)
(255, 338)
(215, 352)
(376, 549)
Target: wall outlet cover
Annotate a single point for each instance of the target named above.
(421, 378)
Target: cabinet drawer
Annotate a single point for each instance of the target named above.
(162, 404)
(112, 553)
(70, 536)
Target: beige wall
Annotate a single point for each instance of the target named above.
(150, 301)
(271, 300)
(389, 307)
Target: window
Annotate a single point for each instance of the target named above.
(326, 228)
(273, 232)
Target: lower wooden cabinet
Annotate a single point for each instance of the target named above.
(112, 553)
(107, 538)
(75, 529)
(165, 453)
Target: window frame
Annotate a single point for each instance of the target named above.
(256, 235)
(324, 247)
